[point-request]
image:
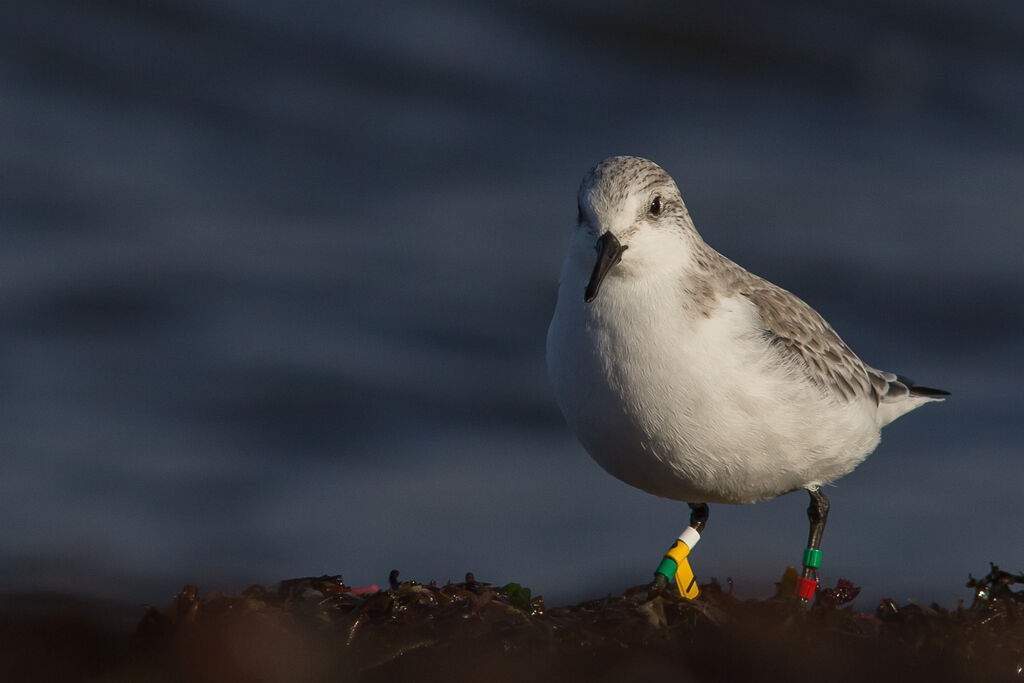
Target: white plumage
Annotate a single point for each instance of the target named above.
(690, 378)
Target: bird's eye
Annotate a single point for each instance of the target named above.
(656, 205)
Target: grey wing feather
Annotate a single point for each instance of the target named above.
(893, 390)
(799, 331)
(804, 337)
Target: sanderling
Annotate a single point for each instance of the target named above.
(691, 378)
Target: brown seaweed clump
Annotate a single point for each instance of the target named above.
(315, 630)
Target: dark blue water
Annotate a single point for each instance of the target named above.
(274, 284)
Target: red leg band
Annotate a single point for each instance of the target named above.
(805, 588)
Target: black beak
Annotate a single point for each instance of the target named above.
(610, 253)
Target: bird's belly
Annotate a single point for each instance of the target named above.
(684, 408)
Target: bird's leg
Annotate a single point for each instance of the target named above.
(675, 565)
(698, 516)
(817, 515)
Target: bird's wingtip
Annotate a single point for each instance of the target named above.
(937, 394)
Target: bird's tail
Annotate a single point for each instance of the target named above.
(937, 394)
(925, 392)
(901, 396)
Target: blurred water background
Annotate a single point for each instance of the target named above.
(275, 280)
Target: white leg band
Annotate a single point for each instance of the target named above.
(689, 537)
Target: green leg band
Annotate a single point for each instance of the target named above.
(667, 568)
(812, 558)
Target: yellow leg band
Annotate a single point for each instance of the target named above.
(686, 582)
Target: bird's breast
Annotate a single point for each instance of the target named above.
(630, 381)
(690, 404)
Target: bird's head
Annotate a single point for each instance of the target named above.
(630, 204)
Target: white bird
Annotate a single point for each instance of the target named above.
(686, 376)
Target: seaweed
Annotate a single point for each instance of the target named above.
(319, 629)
